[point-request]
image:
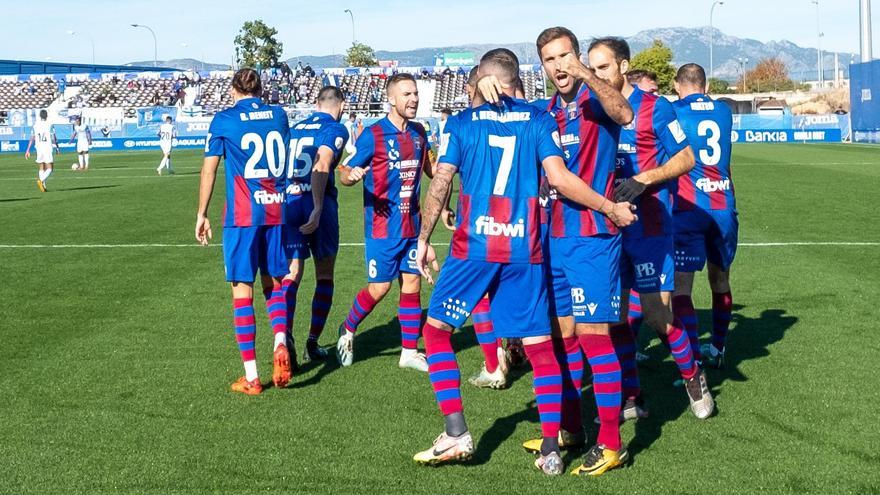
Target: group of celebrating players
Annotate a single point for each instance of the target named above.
(566, 206)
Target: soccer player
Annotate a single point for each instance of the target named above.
(644, 80)
(316, 145)
(252, 138)
(499, 151)
(390, 158)
(652, 154)
(44, 139)
(706, 224)
(83, 136)
(352, 126)
(167, 133)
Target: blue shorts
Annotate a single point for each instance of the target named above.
(705, 234)
(517, 291)
(387, 258)
(245, 249)
(585, 278)
(322, 243)
(646, 264)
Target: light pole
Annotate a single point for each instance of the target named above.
(155, 43)
(712, 39)
(742, 65)
(92, 40)
(352, 25)
(865, 39)
(818, 43)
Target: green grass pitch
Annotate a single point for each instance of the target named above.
(116, 361)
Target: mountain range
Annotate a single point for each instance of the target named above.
(731, 54)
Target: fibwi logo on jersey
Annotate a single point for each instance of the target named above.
(262, 197)
(487, 225)
(709, 186)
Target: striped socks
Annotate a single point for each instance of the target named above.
(547, 383)
(722, 306)
(572, 372)
(276, 308)
(681, 351)
(625, 347)
(486, 334)
(361, 307)
(409, 313)
(683, 309)
(635, 313)
(443, 369)
(245, 334)
(290, 289)
(321, 303)
(606, 386)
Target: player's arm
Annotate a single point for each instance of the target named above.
(55, 141)
(89, 135)
(574, 189)
(356, 168)
(612, 101)
(27, 153)
(320, 175)
(440, 188)
(73, 136)
(206, 190)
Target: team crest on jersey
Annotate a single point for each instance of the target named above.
(630, 126)
(254, 105)
(338, 143)
(393, 154)
(417, 144)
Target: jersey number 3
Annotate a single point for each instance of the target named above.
(712, 133)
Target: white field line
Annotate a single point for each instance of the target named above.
(361, 244)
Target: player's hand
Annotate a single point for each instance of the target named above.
(356, 174)
(27, 155)
(447, 216)
(424, 255)
(622, 214)
(491, 88)
(629, 190)
(570, 64)
(203, 230)
(312, 225)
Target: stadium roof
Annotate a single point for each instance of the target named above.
(12, 67)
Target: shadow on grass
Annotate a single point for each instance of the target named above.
(84, 188)
(749, 339)
(15, 200)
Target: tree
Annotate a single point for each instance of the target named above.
(770, 74)
(719, 86)
(657, 58)
(360, 55)
(256, 46)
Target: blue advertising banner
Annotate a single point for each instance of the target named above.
(786, 136)
(864, 82)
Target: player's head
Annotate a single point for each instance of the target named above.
(473, 77)
(690, 79)
(644, 79)
(78, 119)
(445, 113)
(168, 119)
(609, 57)
(403, 95)
(553, 44)
(330, 100)
(246, 83)
(503, 64)
(44, 114)
(351, 115)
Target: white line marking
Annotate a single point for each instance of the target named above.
(361, 244)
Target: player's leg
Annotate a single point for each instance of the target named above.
(461, 284)
(278, 276)
(721, 250)
(493, 354)
(296, 252)
(163, 163)
(322, 301)
(634, 321)
(41, 174)
(241, 259)
(86, 159)
(683, 309)
(690, 257)
(168, 163)
(80, 157)
(50, 167)
(409, 315)
(626, 347)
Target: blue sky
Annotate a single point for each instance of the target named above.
(322, 27)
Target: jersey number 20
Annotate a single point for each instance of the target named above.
(275, 154)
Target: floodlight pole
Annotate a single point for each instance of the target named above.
(155, 43)
(818, 44)
(91, 40)
(865, 31)
(712, 39)
(352, 25)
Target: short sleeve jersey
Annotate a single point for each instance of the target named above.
(43, 135)
(306, 138)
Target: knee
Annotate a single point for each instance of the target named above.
(379, 289)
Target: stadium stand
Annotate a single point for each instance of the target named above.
(27, 94)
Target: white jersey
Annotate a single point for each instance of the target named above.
(82, 137)
(167, 132)
(43, 135)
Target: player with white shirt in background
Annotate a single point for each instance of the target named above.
(43, 136)
(83, 136)
(167, 133)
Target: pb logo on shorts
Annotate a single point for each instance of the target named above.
(577, 296)
(645, 270)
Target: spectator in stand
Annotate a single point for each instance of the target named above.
(31, 88)
(274, 95)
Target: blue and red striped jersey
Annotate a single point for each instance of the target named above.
(708, 125)
(589, 141)
(392, 185)
(498, 150)
(653, 137)
(306, 138)
(252, 138)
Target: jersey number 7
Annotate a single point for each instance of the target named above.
(508, 147)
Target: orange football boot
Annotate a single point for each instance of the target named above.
(246, 387)
(281, 367)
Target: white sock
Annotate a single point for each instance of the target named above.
(41, 174)
(168, 164)
(250, 371)
(162, 164)
(48, 173)
(280, 338)
(80, 158)
(86, 159)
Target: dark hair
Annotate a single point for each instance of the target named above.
(618, 46)
(351, 115)
(330, 94)
(505, 60)
(247, 81)
(636, 75)
(447, 111)
(168, 118)
(692, 74)
(472, 76)
(554, 33)
(44, 114)
(398, 78)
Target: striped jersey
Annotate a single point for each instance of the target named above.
(708, 125)
(498, 151)
(252, 137)
(392, 184)
(649, 141)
